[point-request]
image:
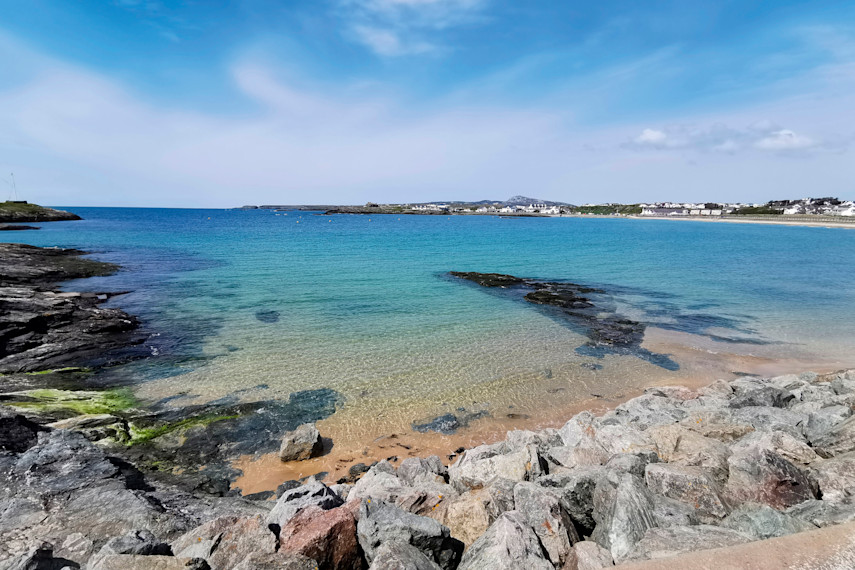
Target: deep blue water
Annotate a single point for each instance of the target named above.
(234, 299)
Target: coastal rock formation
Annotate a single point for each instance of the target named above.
(302, 443)
(667, 474)
(24, 212)
(42, 328)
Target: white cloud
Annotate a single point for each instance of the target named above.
(784, 140)
(388, 42)
(760, 135)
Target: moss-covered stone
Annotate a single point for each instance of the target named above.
(68, 403)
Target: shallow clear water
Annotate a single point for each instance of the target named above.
(363, 304)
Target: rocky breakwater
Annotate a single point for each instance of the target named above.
(670, 472)
(43, 328)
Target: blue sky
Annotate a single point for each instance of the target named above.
(191, 103)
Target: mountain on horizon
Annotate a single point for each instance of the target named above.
(525, 201)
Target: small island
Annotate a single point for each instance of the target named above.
(21, 211)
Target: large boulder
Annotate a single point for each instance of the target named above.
(380, 522)
(588, 555)
(689, 485)
(479, 466)
(277, 561)
(302, 443)
(576, 488)
(623, 511)
(326, 536)
(649, 410)
(541, 508)
(825, 513)
(838, 440)
(415, 470)
(758, 474)
(226, 541)
(140, 562)
(677, 444)
(468, 516)
(508, 543)
(401, 556)
(666, 542)
(17, 433)
(716, 423)
(823, 420)
(760, 522)
(313, 493)
(836, 477)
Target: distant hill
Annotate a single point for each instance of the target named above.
(525, 201)
(24, 212)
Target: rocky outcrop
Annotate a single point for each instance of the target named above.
(42, 328)
(24, 212)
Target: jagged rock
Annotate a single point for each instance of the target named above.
(380, 483)
(138, 562)
(519, 439)
(277, 561)
(758, 474)
(766, 396)
(646, 411)
(838, 440)
(226, 541)
(401, 556)
(541, 508)
(17, 433)
(138, 543)
(313, 493)
(771, 419)
(477, 467)
(760, 522)
(415, 469)
(630, 463)
(577, 490)
(302, 443)
(682, 446)
(825, 513)
(38, 558)
(622, 439)
(326, 536)
(96, 427)
(716, 423)
(508, 543)
(836, 477)
(689, 485)
(501, 492)
(380, 522)
(824, 420)
(623, 511)
(468, 516)
(670, 512)
(588, 555)
(666, 542)
(570, 457)
(790, 448)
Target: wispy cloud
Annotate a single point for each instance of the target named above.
(392, 28)
(760, 136)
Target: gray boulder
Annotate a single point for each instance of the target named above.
(836, 477)
(588, 555)
(302, 443)
(478, 467)
(759, 475)
(313, 493)
(669, 512)
(226, 541)
(838, 440)
(401, 556)
(648, 410)
(771, 419)
(416, 469)
(508, 543)
(380, 523)
(623, 511)
(760, 522)
(542, 510)
(824, 420)
(666, 542)
(576, 488)
(680, 445)
(825, 513)
(277, 561)
(689, 485)
(139, 562)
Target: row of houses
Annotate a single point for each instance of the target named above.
(489, 209)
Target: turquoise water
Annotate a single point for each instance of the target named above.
(277, 302)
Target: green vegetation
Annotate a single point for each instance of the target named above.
(609, 209)
(74, 403)
(142, 435)
(758, 210)
(23, 212)
(57, 370)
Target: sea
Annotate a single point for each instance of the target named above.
(259, 304)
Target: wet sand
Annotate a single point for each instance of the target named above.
(363, 432)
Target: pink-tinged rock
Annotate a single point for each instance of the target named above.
(760, 475)
(226, 541)
(328, 537)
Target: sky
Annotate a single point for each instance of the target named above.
(222, 103)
